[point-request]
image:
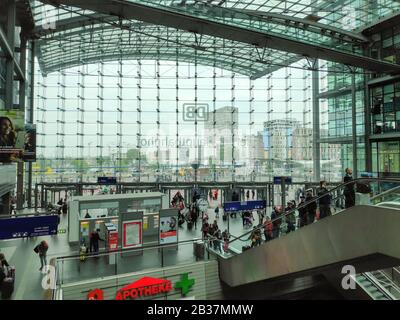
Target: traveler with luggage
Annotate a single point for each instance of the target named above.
(41, 250)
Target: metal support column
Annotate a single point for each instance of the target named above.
(30, 118)
(354, 122)
(316, 124)
(9, 85)
(367, 121)
(22, 95)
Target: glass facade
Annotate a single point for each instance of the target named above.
(154, 120)
(385, 108)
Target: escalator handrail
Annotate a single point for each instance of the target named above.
(377, 285)
(283, 215)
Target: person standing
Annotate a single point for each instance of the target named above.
(302, 212)
(325, 201)
(276, 223)
(311, 206)
(253, 194)
(248, 195)
(349, 193)
(3, 261)
(94, 241)
(41, 250)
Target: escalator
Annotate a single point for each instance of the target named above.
(364, 236)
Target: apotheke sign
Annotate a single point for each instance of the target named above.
(145, 287)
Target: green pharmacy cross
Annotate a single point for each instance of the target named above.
(185, 284)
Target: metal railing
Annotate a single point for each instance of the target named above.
(96, 265)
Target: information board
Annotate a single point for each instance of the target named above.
(132, 235)
(168, 230)
(244, 205)
(106, 180)
(21, 227)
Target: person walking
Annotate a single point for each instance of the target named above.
(216, 212)
(41, 249)
(325, 201)
(349, 193)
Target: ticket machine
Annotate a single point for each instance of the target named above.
(112, 241)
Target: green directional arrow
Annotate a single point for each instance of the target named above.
(185, 284)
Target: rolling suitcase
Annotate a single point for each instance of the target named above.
(189, 225)
(7, 288)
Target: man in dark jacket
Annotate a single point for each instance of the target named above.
(94, 241)
(325, 201)
(302, 212)
(349, 193)
(311, 206)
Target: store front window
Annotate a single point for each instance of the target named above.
(386, 158)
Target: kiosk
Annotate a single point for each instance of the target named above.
(134, 215)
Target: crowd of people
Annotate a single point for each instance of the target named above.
(310, 205)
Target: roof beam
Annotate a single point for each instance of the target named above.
(9, 55)
(198, 24)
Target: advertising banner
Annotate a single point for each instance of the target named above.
(132, 235)
(13, 228)
(113, 241)
(168, 230)
(17, 140)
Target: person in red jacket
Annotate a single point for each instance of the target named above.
(268, 229)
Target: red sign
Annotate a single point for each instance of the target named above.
(96, 294)
(168, 234)
(144, 287)
(113, 241)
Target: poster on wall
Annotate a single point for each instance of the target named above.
(132, 234)
(168, 230)
(17, 140)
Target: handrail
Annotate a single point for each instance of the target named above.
(377, 285)
(384, 193)
(283, 215)
(150, 247)
(392, 284)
